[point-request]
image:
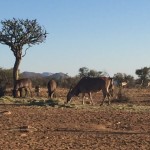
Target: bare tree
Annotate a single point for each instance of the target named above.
(17, 33)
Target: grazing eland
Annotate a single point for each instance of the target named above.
(51, 86)
(88, 85)
(20, 84)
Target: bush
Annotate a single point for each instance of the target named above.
(121, 97)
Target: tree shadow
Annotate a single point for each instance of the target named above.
(34, 102)
(49, 102)
(120, 101)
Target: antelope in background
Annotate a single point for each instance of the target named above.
(51, 86)
(20, 84)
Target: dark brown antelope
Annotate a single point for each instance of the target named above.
(88, 85)
(51, 86)
(20, 84)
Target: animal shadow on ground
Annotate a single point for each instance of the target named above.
(49, 102)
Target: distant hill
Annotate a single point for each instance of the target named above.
(59, 75)
(46, 74)
(27, 74)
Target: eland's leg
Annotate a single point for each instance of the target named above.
(104, 96)
(83, 96)
(108, 96)
(90, 96)
(26, 92)
(20, 92)
(52, 95)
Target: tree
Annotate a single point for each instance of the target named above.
(122, 77)
(17, 33)
(143, 74)
(94, 73)
(119, 77)
(83, 72)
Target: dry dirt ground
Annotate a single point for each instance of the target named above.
(42, 124)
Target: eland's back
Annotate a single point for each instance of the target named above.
(88, 84)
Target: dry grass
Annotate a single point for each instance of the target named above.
(124, 99)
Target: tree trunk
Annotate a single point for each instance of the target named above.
(16, 74)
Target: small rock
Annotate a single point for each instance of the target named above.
(23, 135)
(6, 113)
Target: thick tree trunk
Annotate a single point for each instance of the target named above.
(16, 74)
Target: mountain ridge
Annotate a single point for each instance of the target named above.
(27, 74)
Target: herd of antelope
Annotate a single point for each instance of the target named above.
(85, 85)
(26, 84)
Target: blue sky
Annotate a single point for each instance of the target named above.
(104, 35)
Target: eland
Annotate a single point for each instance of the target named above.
(95, 84)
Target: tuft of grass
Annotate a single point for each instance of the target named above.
(7, 100)
(131, 108)
(121, 97)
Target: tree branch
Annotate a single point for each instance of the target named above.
(26, 51)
